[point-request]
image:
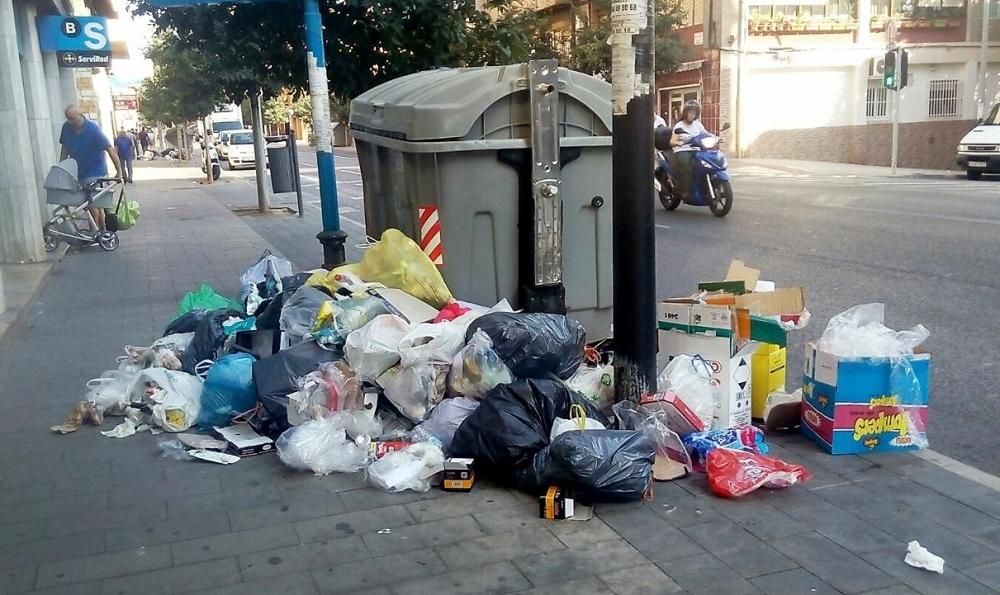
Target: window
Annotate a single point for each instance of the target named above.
(943, 101)
(876, 101)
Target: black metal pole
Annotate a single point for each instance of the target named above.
(632, 50)
(294, 152)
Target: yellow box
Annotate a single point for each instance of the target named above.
(768, 372)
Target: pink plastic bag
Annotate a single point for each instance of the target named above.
(735, 473)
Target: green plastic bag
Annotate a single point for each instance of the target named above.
(127, 212)
(205, 298)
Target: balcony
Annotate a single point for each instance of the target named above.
(544, 5)
(800, 25)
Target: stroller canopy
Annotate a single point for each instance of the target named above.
(62, 176)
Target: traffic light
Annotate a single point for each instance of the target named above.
(889, 72)
(894, 75)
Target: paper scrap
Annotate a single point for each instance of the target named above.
(919, 557)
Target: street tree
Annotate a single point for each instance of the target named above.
(276, 111)
(507, 32)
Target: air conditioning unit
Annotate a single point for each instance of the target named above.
(876, 67)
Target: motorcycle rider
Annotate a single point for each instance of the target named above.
(688, 127)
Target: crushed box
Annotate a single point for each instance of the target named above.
(459, 476)
(555, 504)
(243, 441)
(865, 404)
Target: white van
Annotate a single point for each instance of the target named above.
(979, 150)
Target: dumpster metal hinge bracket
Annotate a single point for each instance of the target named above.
(543, 89)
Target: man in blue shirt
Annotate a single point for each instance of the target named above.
(125, 147)
(85, 142)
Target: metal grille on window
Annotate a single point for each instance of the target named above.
(876, 101)
(944, 99)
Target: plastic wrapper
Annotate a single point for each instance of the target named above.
(451, 312)
(335, 320)
(654, 424)
(861, 332)
(209, 339)
(110, 392)
(321, 446)
(205, 298)
(374, 348)
(596, 384)
(409, 469)
(735, 473)
(534, 345)
(428, 343)
(174, 397)
(397, 261)
(691, 379)
(173, 449)
(699, 444)
(338, 280)
(596, 465)
(263, 280)
(514, 420)
(228, 391)
(415, 389)
(299, 310)
(443, 421)
(477, 368)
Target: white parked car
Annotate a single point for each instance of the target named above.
(223, 145)
(239, 151)
(979, 150)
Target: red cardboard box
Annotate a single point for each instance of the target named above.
(680, 418)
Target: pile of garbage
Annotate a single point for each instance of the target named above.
(375, 367)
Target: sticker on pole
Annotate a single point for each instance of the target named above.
(430, 234)
(628, 16)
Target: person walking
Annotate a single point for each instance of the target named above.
(84, 141)
(143, 142)
(126, 152)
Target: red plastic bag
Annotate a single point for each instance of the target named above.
(734, 473)
(451, 312)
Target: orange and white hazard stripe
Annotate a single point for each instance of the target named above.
(430, 234)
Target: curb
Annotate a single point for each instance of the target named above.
(20, 313)
(959, 468)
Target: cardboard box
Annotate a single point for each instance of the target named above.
(769, 363)
(731, 373)
(458, 475)
(555, 504)
(244, 441)
(680, 417)
(379, 448)
(853, 405)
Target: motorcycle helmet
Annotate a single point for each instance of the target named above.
(691, 105)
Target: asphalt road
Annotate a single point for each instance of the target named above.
(924, 246)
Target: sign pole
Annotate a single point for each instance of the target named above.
(984, 43)
(332, 238)
(633, 240)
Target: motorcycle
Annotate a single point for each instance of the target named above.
(710, 185)
(213, 155)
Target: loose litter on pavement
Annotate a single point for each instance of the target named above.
(919, 557)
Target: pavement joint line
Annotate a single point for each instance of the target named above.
(959, 468)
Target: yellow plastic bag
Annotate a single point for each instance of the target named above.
(397, 261)
(328, 279)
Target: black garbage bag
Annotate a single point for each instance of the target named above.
(209, 338)
(186, 323)
(596, 465)
(533, 345)
(293, 282)
(514, 421)
(276, 377)
(269, 312)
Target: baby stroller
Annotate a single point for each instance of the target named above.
(73, 203)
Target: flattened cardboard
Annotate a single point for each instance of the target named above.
(405, 305)
(785, 300)
(741, 272)
(244, 441)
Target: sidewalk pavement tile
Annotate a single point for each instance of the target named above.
(359, 522)
(390, 570)
(792, 582)
(641, 580)
(17, 579)
(285, 511)
(952, 582)
(179, 529)
(743, 552)
(233, 544)
(497, 578)
(497, 548)
(80, 570)
(446, 504)
(52, 550)
(296, 583)
(423, 535)
(178, 579)
(562, 565)
(842, 527)
(590, 585)
(306, 556)
(988, 574)
(650, 534)
(840, 568)
(704, 574)
(580, 534)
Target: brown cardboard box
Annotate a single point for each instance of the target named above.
(555, 504)
(459, 475)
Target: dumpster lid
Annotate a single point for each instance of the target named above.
(444, 103)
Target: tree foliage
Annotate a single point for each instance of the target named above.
(181, 87)
(507, 32)
(276, 111)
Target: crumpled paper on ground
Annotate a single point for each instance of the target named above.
(919, 557)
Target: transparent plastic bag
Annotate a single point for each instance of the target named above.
(335, 320)
(409, 469)
(110, 392)
(428, 343)
(415, 389)
(477, 369)
(397, 261)
(331, 388)
(691, 379)
(653, 423)
(861, 332)
(268, 270)
(299, 311)
(443, 421)
(374, 348)
(321, 446)
(596, 384)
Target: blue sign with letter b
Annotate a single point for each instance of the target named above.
(73, 34)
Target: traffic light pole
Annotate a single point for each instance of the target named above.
(894, 159)
(633, 241)
(332, 238)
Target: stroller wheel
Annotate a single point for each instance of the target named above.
(51, 243)
(109, 241)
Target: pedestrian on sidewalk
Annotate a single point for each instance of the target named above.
(85, 142)
(126, 152)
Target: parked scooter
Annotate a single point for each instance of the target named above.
(213, 155)
(710, 185)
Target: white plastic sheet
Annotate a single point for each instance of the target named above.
(409, 469)
(321, 446)
(861, 332)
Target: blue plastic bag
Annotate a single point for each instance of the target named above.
(229, 390)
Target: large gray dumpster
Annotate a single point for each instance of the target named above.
(514, 163)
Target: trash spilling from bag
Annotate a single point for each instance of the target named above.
(376, 368)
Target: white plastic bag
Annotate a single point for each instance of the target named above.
(477, 369)
(268, 269)
(428, 343)
(321, 446)
(409, 469)
(175, 397)
(595, 383)
(561, 426)
(443, 421)
(415, 389)
(374, 348)
(861, 332)
(110, 392)
(691, 379)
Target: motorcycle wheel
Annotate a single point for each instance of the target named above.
(668, 199)
(216, 171)
(51, 243)
(723, 200)
(109, 241)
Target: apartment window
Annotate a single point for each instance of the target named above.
(876, 101)
(943, 100)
